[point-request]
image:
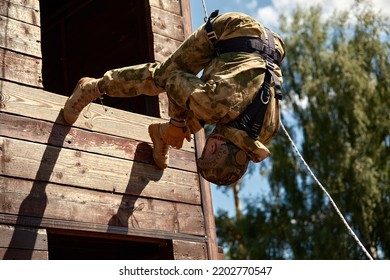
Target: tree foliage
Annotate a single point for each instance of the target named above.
(337, 86)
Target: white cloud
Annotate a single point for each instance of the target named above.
(268, 15)
(249, 4)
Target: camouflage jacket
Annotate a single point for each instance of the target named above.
(227, 86)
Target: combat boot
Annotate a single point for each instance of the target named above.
(85, 92)
(160, 147)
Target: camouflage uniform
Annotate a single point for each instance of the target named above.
(227, 86)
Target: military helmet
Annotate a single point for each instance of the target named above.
(225, 166)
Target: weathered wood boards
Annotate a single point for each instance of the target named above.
(42, 105)
(20, 37)
(29, 242)
(97, 176)
(115, 166)
(40, 199)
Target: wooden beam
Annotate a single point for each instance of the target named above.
(23, 254)
(187, 250)
(32, 130)
(47, 106)
(23, 243)
(167, 24)
(35, 161)
(200, 141)
(172, 6)
(33, 4)
(20, 68)
(20, 37)
(38, 199)
(21, 10)
(164, 47)
(55, 225)
(23, 240)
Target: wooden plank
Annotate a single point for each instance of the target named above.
(187, 250)
(167, 24)
(22, 254)
(52, 225)
(164, 46)
(20, 37)
(33, 130)
(200, 140)
(23, 238)
(39, 199)
(207, 203)
(172, 6)
(43, 105)
(187, 20)
(33, 4)
(20, 68)
(163, 106)
(221, 255)
(35, 161)
(21, 12)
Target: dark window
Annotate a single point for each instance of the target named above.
(78, 245)
(85, 38)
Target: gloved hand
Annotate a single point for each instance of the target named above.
(175, 132)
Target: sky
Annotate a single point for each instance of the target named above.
(266, 12)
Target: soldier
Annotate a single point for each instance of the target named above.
(239, 92)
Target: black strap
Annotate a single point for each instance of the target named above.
(251, 120)
(209, 28)
(248, 45)
(271, 67)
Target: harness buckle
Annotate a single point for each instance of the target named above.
(212, 36)
(265, 99)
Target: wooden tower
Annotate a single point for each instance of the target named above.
(92, 191)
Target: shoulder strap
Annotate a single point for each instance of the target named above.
(271, 66)
(209, 28)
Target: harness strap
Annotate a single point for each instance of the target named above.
(251, 120)
(249, 45)
(209, 28)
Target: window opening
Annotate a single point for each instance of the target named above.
(85, 38)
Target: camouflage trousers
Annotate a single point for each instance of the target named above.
(151, 78)
(227, 86)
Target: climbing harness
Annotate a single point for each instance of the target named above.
(251, 120)
(327, 194)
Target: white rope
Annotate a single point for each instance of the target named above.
(327, 194)
(206, 14)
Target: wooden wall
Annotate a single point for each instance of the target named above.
(20, 51)
(97, 176)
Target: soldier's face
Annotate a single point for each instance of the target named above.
(212, 146)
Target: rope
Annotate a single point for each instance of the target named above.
(327, 194)
(206, 14)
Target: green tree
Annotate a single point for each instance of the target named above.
(337, 84)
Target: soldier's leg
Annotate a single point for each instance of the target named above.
(193, 55)
(179, 86)
(130, 81)
(123, 82)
